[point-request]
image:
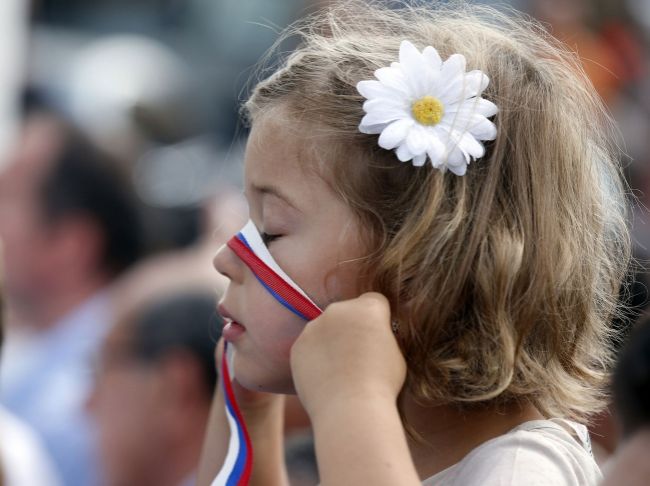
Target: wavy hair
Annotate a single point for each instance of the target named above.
(505, 281)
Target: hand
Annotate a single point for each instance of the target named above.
(348, 352)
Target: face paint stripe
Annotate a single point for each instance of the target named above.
(281, 300)
(253, 240)
(273, 281)
(250, 248)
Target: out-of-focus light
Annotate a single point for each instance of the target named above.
(13, 33)
(115, 76)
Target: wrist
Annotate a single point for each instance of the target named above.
(371, 425)
(348, 402)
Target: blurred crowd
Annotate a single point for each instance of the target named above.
(120, 162)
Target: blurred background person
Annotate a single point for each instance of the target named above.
(154, 385)
(69, 227)
(629, 466)
(23, 459)
(157, 84)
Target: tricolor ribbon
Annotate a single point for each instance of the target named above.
(237, 467)
(250, 248)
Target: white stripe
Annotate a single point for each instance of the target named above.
(233, 443)
(254, 239)
(231, 456)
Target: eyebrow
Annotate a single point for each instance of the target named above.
(275, 191)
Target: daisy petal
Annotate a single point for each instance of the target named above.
(403, 153)
(432, 58)
(475, 83)
(372, 88)
(416, 140)
(436, 152)
(471, 146)
(482, 128)
(385, 115)
(386, 103)
(456, 157)
(392, 78)
(474, 105)
(462, 116)
(395, 133)
(456, 121)
(371, 129)
(486, 107)
(459, 170)
(419, 160)
(411, 63)
(453, 67)
(409, 55)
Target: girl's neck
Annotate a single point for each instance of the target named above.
(449, 434)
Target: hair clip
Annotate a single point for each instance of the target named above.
(424, 108)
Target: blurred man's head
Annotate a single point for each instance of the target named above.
(632, 382)
(156, 377)
(629, 464)
(68, 220)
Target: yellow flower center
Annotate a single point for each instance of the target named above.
(428, 110)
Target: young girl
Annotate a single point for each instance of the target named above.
(439, 180)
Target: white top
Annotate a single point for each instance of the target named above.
(23, 460)
(537, 453)
(45, 379)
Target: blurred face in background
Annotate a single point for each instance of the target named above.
(25, 236)
(126, 404)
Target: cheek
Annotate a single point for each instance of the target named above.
(276, 330)
(337, 278)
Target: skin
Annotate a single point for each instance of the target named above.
(629, 465)
(315, 231)
(151, 416)
(48, 267)
(345, 366)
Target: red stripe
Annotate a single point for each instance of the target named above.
(248, 467)
(273, 280)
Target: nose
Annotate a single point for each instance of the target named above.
(228, 264)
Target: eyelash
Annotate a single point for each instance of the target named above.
(267, 238)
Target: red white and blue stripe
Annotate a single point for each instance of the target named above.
(250, 248)
(238, 465)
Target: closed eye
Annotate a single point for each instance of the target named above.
(268, 238)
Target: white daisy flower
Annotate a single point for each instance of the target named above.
(424, 107)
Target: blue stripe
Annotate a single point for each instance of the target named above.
(281, 300)
(245, 241)
(238, 469)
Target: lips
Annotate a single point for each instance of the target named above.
(232, 330)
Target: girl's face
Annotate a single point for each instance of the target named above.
(312, 235)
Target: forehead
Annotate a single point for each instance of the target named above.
(279, 154)
(33, 154)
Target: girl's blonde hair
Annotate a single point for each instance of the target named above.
(504, 282)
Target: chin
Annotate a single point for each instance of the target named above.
(264, 380)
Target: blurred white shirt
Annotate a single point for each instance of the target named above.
(22, 456)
